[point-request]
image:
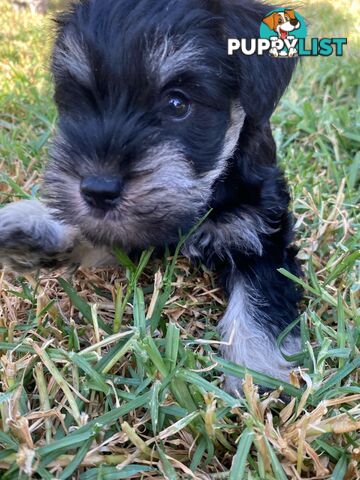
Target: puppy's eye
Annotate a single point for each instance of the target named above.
(177, 105)
(280, 21)
(287, 18)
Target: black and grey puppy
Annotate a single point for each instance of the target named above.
(157, 125)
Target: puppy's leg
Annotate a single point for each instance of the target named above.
(261, 304)
(31, 238)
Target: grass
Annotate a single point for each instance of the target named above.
(113, 374)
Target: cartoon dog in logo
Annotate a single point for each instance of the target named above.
(282, 23)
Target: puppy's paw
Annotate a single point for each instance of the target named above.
(30, 238)
(274, 52)
(293, 52)
(233, 386)
(250, 344)
(270, 363)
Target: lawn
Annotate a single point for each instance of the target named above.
(113, 374)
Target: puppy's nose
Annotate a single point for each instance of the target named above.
(101, 191)
(294, 22)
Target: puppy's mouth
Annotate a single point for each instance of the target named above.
(283, 34)
(102, 213)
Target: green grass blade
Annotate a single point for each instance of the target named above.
(116, 353)
(5, 439)
(69, 441)
(124, 259)
(237, 471)
(139, 312)
(76, 461)
(341, 331)
(155, 356)
(198, 454)
(114, 473)
(172, 345)
(276, 465)
(231, 368)
(337, 378)
(95, 377)
(83, 307)
(340, 469)
(154, 406)
(59, 379)
(200, 382)
(167, 468)
(346, 264)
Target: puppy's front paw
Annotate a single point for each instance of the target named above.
(31, 238)
(293, 52)
(261, 355)
(250, 343)
(233, 385)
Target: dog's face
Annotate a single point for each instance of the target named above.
(282, 22)
(150, 112)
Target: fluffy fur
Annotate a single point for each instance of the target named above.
(118, 67)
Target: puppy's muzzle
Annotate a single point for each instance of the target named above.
(101, 191)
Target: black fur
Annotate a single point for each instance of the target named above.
(254, 183)
(115, 66)
(115, 115)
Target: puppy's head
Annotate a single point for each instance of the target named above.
(282, 22)
(150, 112)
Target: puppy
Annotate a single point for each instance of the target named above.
(282, 23)
(157, 126)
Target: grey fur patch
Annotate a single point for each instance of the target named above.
(71, 56)
(166, 60)
(237, 119)
(30, 238)
(242, 232)
(161, 193)
(87, 255)
(246, 344)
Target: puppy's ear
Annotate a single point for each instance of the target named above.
(262, 79)
(291, 14)
(270, 21)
